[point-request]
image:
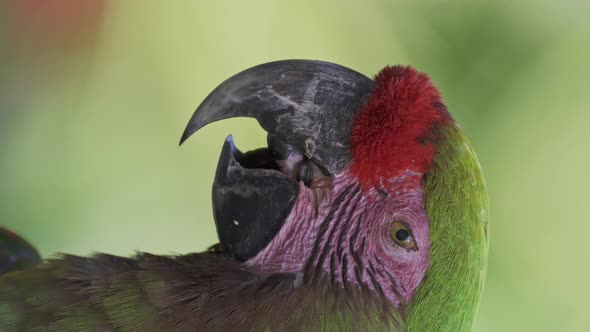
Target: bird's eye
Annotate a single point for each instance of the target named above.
(402, 235)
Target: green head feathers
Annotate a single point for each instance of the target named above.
(457, 206)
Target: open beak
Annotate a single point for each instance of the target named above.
(307, 108)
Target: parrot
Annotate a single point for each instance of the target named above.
(366, 211)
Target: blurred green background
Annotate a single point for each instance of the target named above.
(95, 94)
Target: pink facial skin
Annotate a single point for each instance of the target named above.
(347, 237)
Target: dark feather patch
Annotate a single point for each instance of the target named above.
(202, 292)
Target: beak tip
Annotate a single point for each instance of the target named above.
(194, 124)
(188, 132)
(183, 139)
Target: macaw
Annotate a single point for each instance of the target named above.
(367, 211)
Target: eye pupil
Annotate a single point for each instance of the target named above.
(402, 234)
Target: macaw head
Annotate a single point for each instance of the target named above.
(366, 184)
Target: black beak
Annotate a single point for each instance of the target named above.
(307, 108)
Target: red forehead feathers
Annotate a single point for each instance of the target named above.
(394, 131)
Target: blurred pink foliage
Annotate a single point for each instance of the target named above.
(48, 24)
